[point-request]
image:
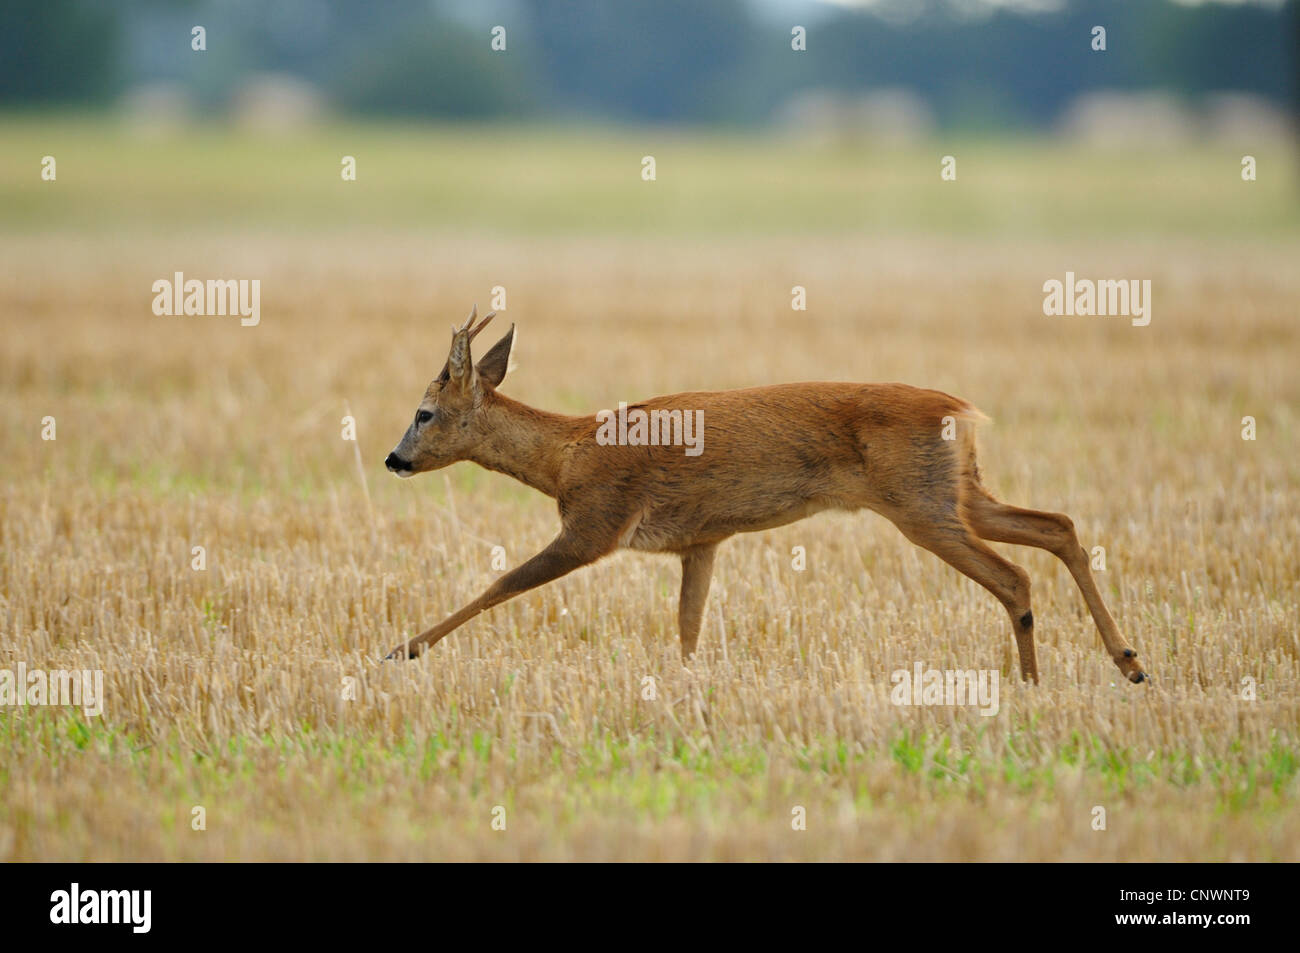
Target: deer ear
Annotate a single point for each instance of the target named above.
(492, 369)
(459, 367)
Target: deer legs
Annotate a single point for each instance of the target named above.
(697, 572)
(960, 543)
(954, 543)
(561, 557)
(558, 559)
(1054, 532)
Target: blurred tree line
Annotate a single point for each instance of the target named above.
(636, 60)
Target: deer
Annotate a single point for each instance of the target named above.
(769, 456)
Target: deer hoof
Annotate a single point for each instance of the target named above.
(1132, 668)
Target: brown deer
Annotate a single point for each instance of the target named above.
(773, 455)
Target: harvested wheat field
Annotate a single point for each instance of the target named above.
(252, 688)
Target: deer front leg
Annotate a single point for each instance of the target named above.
(561, 557)
(697, 573)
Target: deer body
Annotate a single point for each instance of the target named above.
(773, 455)
(770, 456)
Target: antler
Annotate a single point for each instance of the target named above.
(473, 332)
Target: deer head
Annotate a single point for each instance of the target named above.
(449, 421)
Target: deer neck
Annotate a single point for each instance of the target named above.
(523, 442)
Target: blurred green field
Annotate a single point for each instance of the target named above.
(493, 180)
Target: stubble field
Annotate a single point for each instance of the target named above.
(253, 688)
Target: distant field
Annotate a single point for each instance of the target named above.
(494, 180)
(227, 688)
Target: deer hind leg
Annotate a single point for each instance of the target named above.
(992, 519)
(697, 573)
(953, 542)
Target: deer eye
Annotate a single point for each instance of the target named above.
(423, 417)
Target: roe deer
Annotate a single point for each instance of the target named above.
(773, 455)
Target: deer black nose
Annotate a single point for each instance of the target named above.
(395, 463)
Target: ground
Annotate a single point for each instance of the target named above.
(253, 688)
